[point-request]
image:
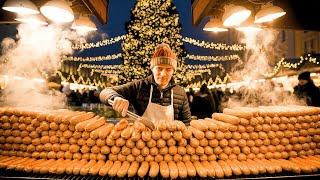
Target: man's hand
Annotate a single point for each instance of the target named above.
(120, 105)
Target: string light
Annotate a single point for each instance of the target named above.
(211, 83)
(285, 64)
(94, 66)
(205, 66)
(104, 42)
(80, 80)
(213, 58)
(92, 59)
(216, 46)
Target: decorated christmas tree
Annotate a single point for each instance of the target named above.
(153, 22)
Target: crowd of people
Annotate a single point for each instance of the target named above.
(81, 96)
(207, 101)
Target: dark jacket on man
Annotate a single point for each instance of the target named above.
(310, 92)
(138, 93)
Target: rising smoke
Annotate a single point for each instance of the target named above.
(258, 60)
(36, 50)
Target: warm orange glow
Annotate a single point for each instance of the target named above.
(269, 13)
(235, 15)
(249, 29)
(32, 19)
(214, 25)
(20, 7)
(57, 11)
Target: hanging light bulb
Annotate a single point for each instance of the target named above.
(268, 13)
(32, 19)
(234, 15)
(20, 7)
(58, 11)
(215, 25)
(84, 24)
(248, 26)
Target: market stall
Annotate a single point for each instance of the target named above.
(241, 142)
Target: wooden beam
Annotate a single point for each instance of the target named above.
(200, 9)
(99, 8)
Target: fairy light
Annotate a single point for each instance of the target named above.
(216, 46)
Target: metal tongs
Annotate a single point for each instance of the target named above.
(137, 118)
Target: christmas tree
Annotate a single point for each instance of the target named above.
(152, 22)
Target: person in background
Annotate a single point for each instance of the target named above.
(307, 89)
(203, 104)
(190, 96)
(156, 98)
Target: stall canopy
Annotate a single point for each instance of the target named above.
(301, 15)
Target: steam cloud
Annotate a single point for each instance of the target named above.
(259, 56)
(37, 49)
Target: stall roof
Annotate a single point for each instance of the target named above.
(301, 15)
(98, 8)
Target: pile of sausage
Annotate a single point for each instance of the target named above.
(239, 141)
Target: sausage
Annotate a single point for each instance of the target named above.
(198, 124)
(121, 125)
(81, 125)
(180, 125)
(15, 163)
(143, 170)
(187, 133)
(146, 135)
(94, 124)
(77, 167)
(114, 169)
(30, 166)
(136, 135)
(69, 169)
(284, 166)
(164, 169)
(156, 134)
(238, 113)
(270, 169)
(53, 168)
(196, 133)
(80, 118)
(174, 173)
(62, 169)
(244, 169)
(208, 167)
(190, 168)
(21, 166)
(154, 169)
(95, 133)
(226, 168)
(261, 169)
(133, 169)
(123, 169)
(304, 167)
(254, 170)
(103, 133)
(44, 167)
(226, 118)
(235, 169)
(182, 169)
(294, 168)
(127, 132)
(276, 167)
(219, 173)
(92, 167)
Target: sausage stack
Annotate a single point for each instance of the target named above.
(239, 141)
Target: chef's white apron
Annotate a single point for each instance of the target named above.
(157, 113)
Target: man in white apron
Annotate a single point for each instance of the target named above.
(157, 97)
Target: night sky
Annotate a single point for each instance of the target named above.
(119, 13)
